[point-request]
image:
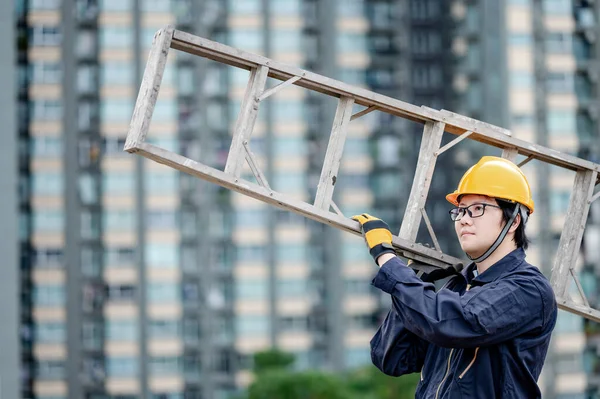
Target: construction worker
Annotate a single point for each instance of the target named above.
(484, 334)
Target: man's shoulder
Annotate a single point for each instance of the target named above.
(532, 277)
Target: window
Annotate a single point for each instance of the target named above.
(351, 42)
(296, 146)
(426, 42)
(567, 363)
(47, 257)
(50, 369)
(252, 325)
(88, 192)
(116, 37)
(247, 39)
(251, 289)
(47, 183)
(48, 220)
(255, 218)
(165, 110)
(116, 109)
(519, 39)
(557, 6)
(121, 366)
(292, 252)
(285, 7)
(293, 288)
(115, 5)
(357, 357)
(164, 182)
(161, 219)
(86, 43)
(285, 41)
(560, 82)
(286, 111)
(117, 73)
(86, 78)
(119, 256)
(44, 4)
(357, 287)
(245, 7)
(164, 328)
(352, 8)
(46, 72)
(251, 253)
(293, 323)
(46, 110)
(46, 146)
(520, 120)
(561, 122)
(162, 255)
(163, 292)
(559, 202)
(289, 181)
(121, 330)
(119, 183)
(42, 35)
(558, 42)
(50, 333)
(568, 322)
(122, 292)
(521, 79)
(165, 365)
(48, 295)
(156, 5)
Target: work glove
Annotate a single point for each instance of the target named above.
(377, 235)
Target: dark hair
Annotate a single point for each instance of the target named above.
(507, 210)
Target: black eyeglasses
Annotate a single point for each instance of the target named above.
(474, 211)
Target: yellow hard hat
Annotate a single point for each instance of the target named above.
(495, 177)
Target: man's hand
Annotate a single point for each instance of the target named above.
(377, 234)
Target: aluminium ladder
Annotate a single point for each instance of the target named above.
(435, 122)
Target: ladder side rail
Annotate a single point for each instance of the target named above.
(578, 309)
(572, 234)
(283, 201)
(455, 123)
(430, 143)
(149, 88)
(333, 155)
(246, 120)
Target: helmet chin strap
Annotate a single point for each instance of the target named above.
(500, 237)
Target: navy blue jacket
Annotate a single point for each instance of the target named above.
(478, 337)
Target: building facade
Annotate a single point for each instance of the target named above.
(139, 281)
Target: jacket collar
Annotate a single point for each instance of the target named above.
(499, 269)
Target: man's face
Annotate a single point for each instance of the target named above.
(477, 234)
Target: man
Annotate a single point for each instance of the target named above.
(485, 334)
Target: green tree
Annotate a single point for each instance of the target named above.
(370, 383)
(274, 378)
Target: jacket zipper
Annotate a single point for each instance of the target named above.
(470, 364)
(437, 393)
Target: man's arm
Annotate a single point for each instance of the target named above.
(483, 316)
(395, 350)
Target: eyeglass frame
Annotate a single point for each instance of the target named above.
(465, 209)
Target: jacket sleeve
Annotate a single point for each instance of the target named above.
(485, 315)
(395, 350)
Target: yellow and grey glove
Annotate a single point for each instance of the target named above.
(377, 234)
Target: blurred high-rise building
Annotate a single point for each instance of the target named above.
(137, 281)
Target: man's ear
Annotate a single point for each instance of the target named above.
(515, 224)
